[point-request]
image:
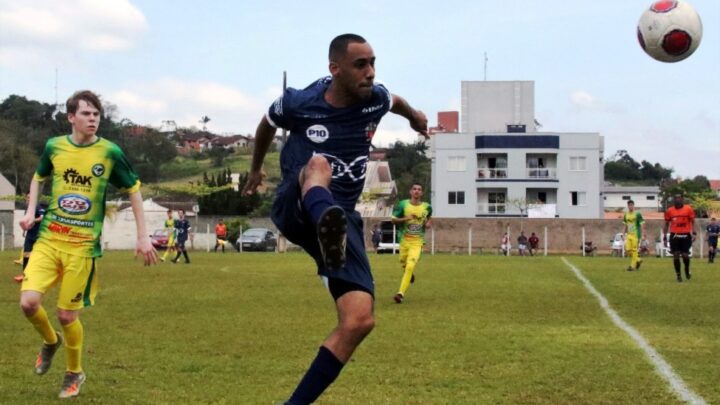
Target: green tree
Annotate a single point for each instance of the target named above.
(409, 164)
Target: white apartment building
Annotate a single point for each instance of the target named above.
(489, 171)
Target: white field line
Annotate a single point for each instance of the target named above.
(663, 368)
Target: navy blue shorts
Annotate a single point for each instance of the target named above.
(29, 242)
(713, 242)
(296, 225)
(180, 244)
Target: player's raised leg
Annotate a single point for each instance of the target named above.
(329, 218)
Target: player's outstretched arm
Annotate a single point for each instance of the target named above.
(28, 220)
(417, 119)
(264, 135)
(143, 246)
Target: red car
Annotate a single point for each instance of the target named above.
(159, 239)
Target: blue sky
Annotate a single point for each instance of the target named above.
(180, 60)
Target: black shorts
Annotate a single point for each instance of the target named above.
(712, 242)
(29, 242)
(680, 242)
(296, 225)
(180, 244)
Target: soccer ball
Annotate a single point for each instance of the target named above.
(670, 30)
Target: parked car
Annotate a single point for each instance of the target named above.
(159, 239)
(387, 244)
(257, 239)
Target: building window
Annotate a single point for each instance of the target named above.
(578, 198)
(456, 164)
(456, 197)
(496, 203)
(626, 197)
(578, 163)
(650, 197)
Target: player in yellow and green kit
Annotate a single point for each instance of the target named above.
(413, 216)
(635, 231)
(80, 167)
(169, 226)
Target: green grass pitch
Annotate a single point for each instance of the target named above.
(242, 329)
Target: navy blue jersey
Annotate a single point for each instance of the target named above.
(713, 231)
(182, 226)
(342, 135)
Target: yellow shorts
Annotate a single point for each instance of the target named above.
(410, 252)
(631, 243)
(171, 240)
(76, 274)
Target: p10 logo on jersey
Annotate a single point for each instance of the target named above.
(317, 133)
(74, 204)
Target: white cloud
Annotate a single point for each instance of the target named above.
(584, 101)
(230, 109)
(35, 31)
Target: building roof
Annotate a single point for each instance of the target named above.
(715, 185)
(631, 189)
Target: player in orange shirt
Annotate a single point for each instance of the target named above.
(220, 235)
(680, 218)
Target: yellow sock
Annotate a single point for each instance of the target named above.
(73, 345)
(42, 324)
(407, 276)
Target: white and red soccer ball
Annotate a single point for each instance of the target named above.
(669, 30)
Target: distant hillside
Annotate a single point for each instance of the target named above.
(182, 170)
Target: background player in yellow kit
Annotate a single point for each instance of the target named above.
(635, 230)
(169, 226)
(80, 167)
(413, 216)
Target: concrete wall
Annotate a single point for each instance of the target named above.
(563, 235)
(6, 223)
(489, 106)
(451, 234)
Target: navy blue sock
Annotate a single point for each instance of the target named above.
(322, 372)
(316, 201)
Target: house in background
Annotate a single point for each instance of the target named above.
(379, 191)
(646, 198)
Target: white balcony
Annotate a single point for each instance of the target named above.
(541, 173)
(490, 208)
(487, 173)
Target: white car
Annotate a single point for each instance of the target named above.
(387, 244)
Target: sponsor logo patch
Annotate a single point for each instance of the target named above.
(317, 133)
(71, 176)
(98, 170)
(74, 204)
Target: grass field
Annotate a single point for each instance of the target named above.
(242, 329)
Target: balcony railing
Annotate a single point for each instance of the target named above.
(487, 173)
(530, 173)
(541, 173)
(491, 208)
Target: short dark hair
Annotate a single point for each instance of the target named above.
(169, 211)
(417, 184)
(88, 96)
(338, 46)
(181, 210)
(631, 202)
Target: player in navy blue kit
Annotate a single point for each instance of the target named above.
(31, 236)
(323, 165)
(712, 232)
(182, 229)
